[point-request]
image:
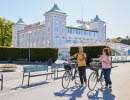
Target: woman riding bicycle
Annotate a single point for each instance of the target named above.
(81, 58)
(106, 66)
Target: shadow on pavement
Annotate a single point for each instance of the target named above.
(105, 94)
(72, 92)
(31, 85)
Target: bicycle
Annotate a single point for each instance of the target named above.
(70, 67)
(95, 77)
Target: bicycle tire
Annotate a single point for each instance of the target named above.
(77, 78)
(68, 76)
(92, 77)
(102, 81)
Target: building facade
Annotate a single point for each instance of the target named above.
(53, 32)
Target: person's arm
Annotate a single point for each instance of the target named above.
(71, 57)
(98, 59)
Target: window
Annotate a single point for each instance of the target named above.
(68, 41)
(89, 33)
(63, 41)
(94, 34)
(86, 32)
(73, 31)
(56, 42)
(82, 32)
(70, 30)
(63, 30)
(56, 29)
(77, 32)
(75, 41)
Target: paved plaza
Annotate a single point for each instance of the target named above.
(42, 89)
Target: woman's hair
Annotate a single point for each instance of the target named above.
(107, 51)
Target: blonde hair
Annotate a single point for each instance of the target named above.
(80, 47)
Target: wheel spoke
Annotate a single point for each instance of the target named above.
(66, 79)
(77, 79)
(92, 81)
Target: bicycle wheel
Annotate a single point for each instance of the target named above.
(92, 81)
(66, 79)
(77, 79)
(102, 81)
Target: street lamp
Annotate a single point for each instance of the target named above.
(105, 34)
(29, 32)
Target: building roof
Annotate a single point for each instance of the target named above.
(20, 22)
(97, 19)
(55, 9)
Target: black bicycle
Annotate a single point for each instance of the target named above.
(71, 73)
(95, 77)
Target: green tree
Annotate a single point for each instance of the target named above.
(5, 32)
(127, 37)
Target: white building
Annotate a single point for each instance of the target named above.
(53, 32)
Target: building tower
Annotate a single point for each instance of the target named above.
(55, 26)
(19, 26)
(100, 26)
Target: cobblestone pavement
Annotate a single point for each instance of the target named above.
(41, 89)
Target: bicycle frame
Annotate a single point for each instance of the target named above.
(99, 76)
(73, 74)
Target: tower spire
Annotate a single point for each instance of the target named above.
(55, 4)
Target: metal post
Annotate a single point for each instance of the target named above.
(29, 32)
(29, 47)
(105, 35)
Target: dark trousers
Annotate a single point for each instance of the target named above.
(107, 73)
(82, 74)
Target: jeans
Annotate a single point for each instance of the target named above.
(82, 74)
(107, 73)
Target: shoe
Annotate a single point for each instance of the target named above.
(85, 84)
(81, 85)
(110, 86)
(106, 86)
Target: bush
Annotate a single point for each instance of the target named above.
(37, 54)
(91, 51)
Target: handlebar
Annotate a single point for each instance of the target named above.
(114, 66)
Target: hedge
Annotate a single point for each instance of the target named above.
(91, 51)
(37, 54)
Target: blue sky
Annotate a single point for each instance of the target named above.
(116, 13)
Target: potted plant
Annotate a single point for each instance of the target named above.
(8, 67)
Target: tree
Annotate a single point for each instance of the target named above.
(127, 37)
(5, 32)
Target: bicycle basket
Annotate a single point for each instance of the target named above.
(67, 67)
(95, 65)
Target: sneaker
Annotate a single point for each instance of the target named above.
(106, 86)
(81, 85)
(110, 86)
(85, 84)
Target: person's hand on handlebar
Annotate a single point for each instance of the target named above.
(92, 59)
(66, 59)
